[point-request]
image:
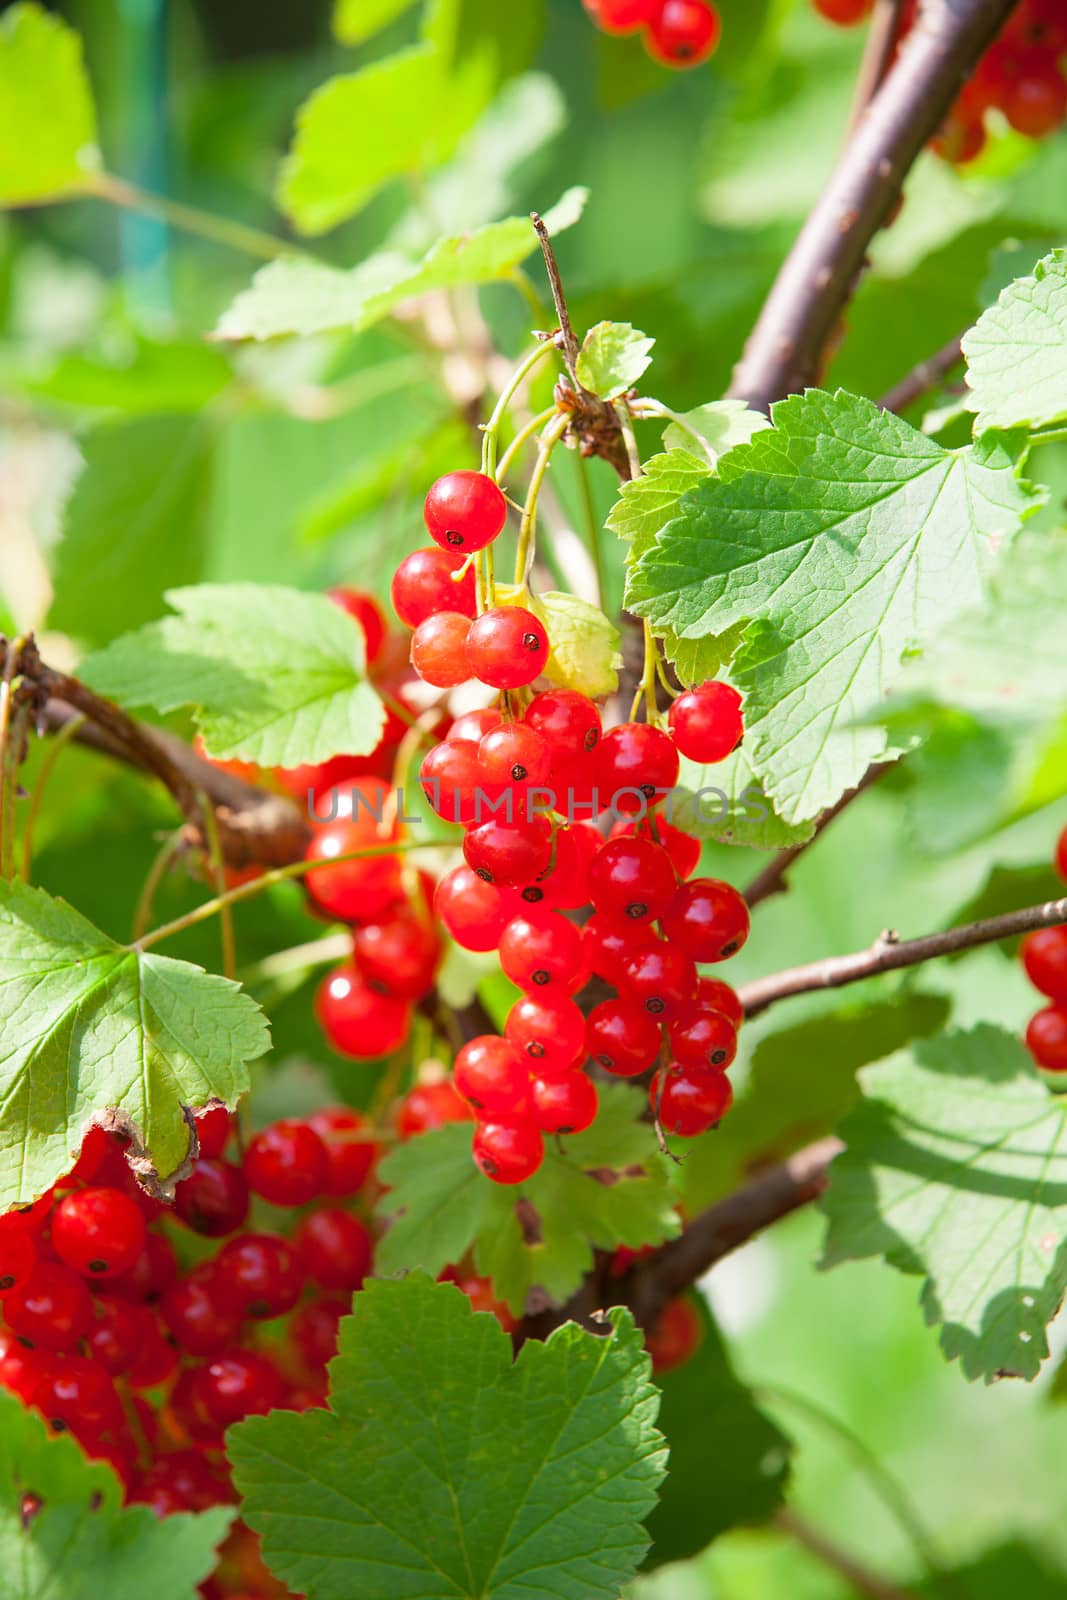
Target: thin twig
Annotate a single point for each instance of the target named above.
(832, 1555)
(787, 345)
(888, 954)
(882, 31)
(47, 767)
(771, 880)
(569, 342)
(161, 865)
(926, 376)
(217, 866)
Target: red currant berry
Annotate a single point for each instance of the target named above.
(314, 1330)
(357, 1020)
(350, 1154)
(152, 1273)
(479, 1292)
(632, 879)
(213, 1199)
(708, 919)
(287, 1164)
(661, 979)
(565, 1104)
(236, 1384)
(429, 1106)
(568, 722)
(77, 1395)
(438, 649)
(97, 1232)
(622, 1038)
(115, 1334)
(676, 1336)
(621, 16)
(197, 1314)
(335, 1248)
(714, 995)
(214, 1124)
(490, 1075)
(684, 34)
(156, 1358)
(638, 767)
(51, 1310)
(540, 951)
(259, 1275)
(398, 957)
(453, 782)
(706, 722)
(703, 1039)
(474, 912)
(424, 584)
(365, 610)
(507, 647)
(507, 853)
(507, 1152)
(1036, 104)
(180, 1481)
(1046, 1038)
(689, 1106)
(610, 942)
(1044, 956)
(363, 888)
(465, 511)
(100, 1158)
(549, 1035)
(474, 725)
(682, 848)
(20, 1369)
(566, 880)
(845, 13)
(18, 1254)
(515, 757)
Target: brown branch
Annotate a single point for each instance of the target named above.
(888, 954)
(926, 376)
(568, 338)
(856, 1573)
(882, 32)
(786, 348)
(771, 880)
(725, 1226)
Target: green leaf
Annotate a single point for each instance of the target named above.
(357, 132)
(300, 296)
(726, 802)
(613, 358)
(275, 675)
(94, 1030)
(1017, 351)
(713, 429)
(444, 1469)
(978, 662)
(954, 1169)
(609, 1186)
(844, 538)
(729, 1464)
(356, 20)
(134, 526)
(80, 1543)
(648, 503)
(47, 121)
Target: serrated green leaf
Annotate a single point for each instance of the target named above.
(444, 1469)
(713, 429)
(134, 526)
(648, 503)
(47, 121)
(356, 20)
(954, 1169)
(844, 538)
(336, 164)
(697, 660)
(726, 802)
(275, 675)
(1017, 351)
(610, 1186)
(92, 1027)
(729, 1464)
(1009, 654)
(613, 357)
(80, 1543)
(301, 296)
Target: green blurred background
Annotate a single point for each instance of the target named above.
(304, 462)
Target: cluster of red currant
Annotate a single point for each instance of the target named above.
(676, 33)
(1021, 74)
(514, 775)
(1044, 956)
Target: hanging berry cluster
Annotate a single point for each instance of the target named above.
(1021, 75)
(1044, 956)
(527, 778)
(676, 33)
